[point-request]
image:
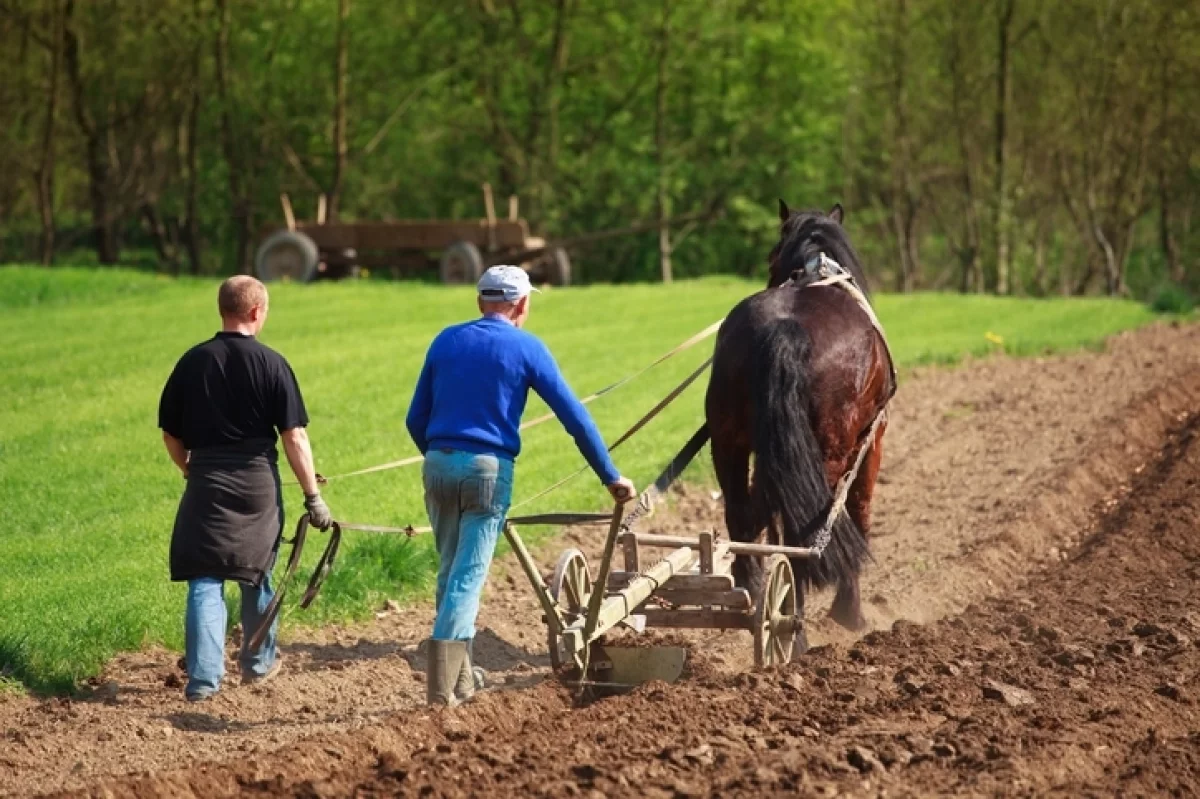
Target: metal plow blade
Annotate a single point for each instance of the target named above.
(623, 668)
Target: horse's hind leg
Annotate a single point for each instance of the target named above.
(862, 490)
(731, 461)
(847, 604)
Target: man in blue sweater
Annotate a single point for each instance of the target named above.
(465, 419)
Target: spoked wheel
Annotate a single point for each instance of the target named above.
(571, 587)
(775, 618)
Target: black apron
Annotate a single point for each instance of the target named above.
(230, 520)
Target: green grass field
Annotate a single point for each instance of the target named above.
(88, 494)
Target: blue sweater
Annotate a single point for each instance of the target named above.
(472, 392)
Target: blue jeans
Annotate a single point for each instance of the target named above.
(204, 632)
(467, 497)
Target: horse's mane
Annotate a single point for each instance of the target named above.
(808, 233)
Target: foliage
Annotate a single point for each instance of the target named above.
(1172, 299)
(90, 495)
(1006, 146)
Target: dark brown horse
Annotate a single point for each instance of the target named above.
(798, 376)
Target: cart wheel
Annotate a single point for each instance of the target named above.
(558, 267)
(287, 255)
(571, 587)
(461, 263)
(775, 619)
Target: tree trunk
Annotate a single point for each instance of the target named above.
(191, 203)
(45, 171)
(509, 153)
(660, 145)
(904, 224)
(1003, 98)
(339, 114)
(108, 249)
(162, 239)
(971, 250)
(1170, 247)
(554, 91)
(240, 203)
(541, 159)
(903, 206)
(1066, 266)
(1039, 258)
(1112, 270)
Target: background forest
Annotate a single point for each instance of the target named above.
(1000, 146)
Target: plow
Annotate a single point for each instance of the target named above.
(690, 586)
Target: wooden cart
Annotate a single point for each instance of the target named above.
(460, 250)
(690, 587)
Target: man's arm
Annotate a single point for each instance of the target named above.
(170, 418)
(177, 451)
(421, 408)
(290, 420)
(299, 456)
(548, 382)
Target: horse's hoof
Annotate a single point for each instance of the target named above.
(852, 619)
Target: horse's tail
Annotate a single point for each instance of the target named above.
(789, 483)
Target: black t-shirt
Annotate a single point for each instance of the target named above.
(229, 390)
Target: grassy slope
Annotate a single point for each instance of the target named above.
(89, 496)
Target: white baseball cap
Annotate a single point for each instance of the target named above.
(504, 283)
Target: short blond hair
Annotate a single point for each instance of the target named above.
(238, 295)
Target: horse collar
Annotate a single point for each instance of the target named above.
(819, 267)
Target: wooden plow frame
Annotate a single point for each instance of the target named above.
(689, 587)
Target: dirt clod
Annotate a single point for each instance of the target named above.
(944, 750)
(1171, 691)
(864, 760)
(1008, 694)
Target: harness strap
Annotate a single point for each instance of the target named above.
(824, 271)
(842, 490)
(272, 611)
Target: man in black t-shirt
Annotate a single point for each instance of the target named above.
(220, 411)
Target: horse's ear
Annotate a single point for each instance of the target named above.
(837, 213)
(784, 213)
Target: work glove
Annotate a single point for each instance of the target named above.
(318, 512)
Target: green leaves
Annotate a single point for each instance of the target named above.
(890, 107)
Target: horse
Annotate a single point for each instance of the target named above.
(799, 375)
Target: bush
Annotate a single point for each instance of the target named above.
(1172, 298)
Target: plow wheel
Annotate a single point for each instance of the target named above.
(571, 586)
(775, 619)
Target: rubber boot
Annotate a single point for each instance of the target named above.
(477, 674)
(470, 676)
(444, 663)
(464, 685)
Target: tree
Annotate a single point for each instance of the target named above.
(660, 144)
(1005, 11)
(1006, 147)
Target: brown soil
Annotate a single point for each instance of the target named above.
(1059, 496)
